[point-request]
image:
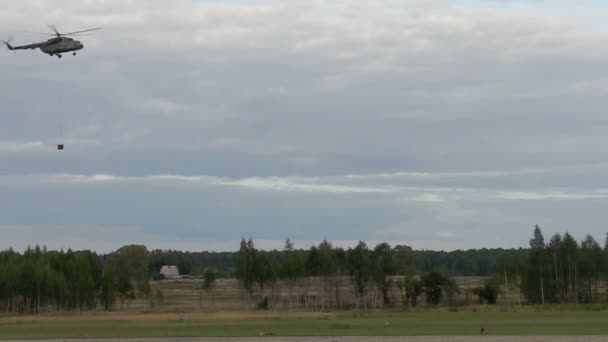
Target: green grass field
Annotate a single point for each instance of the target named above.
(348, 324)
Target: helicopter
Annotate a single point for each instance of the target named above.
(57, 45)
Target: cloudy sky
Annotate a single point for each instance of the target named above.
(440, 124)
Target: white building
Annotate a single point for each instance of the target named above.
(169, 272)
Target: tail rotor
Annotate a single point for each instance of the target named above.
(7, 43)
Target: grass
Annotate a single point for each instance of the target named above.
(346, 324)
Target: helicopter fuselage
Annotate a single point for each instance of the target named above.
(53, 47)
(56, 46)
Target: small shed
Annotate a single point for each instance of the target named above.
(169, 271)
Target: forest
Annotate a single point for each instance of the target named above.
(557, 270)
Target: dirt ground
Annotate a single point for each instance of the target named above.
(360, 339)
(129, 316)
(187, 295)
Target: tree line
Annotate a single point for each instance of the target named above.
(42, 281)
(372, 272)
(473, 262)
(560, 270)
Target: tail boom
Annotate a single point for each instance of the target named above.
(22, 47)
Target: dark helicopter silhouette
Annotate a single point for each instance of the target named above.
(57, 45)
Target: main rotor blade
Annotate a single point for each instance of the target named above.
(34, 32)
(89, 30)
(54, 29)
(77, 34)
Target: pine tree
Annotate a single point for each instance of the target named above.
(245, 268)
(536, 271)
(383, 266)
(360, 271)
(569, 253)
(292, 268)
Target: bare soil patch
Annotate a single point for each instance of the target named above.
(129, 316)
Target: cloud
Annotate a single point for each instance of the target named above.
(551, 195)
(432, 188)
(213, 120)
(22, 147)
(258, 183)
(444, 235)
(430, 198)
(286, 185)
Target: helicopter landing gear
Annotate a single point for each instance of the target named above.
(59, 56)
(73, 53)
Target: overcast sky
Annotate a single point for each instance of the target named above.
(439, 124)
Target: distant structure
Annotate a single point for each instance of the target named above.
(170, 272)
